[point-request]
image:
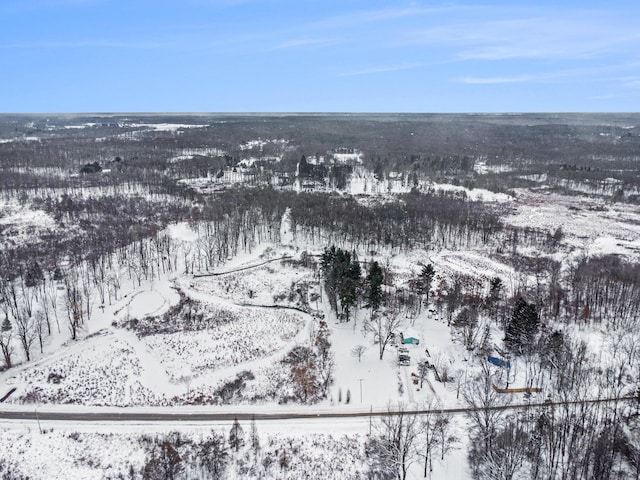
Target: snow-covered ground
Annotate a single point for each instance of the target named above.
(20, 139)
(260, 143)
(167, 127)
(114, 366)
(265, 285)
(64, 453)
(590, 225)
(364, 182)
(188, 153)
(326, 449)
(20, 225)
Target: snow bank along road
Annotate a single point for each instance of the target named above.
(175, 415)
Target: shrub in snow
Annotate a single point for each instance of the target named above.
(233, 389)
(281, 283)
(233, 335)
(102, 374)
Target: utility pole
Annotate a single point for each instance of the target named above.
(38, 419)
(360, 380)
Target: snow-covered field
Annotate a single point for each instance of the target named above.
(250, 334)
(591, 225)
(105, 371)
(167, 127)
(265, 285)
(20, 225)
(116, 367)
(364, 182)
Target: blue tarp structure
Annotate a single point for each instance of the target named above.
(499, 362)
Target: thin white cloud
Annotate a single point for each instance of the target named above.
(219, 3)
(306, 42)
(382, 69)
(592, 74)
(518, 34)
(134, 45)
(31, 4)
(500, 80)
(383, 15)
(632, 82)
(607, 96)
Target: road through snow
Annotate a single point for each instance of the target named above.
(191, 415)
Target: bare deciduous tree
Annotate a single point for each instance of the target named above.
(25, 326)
(305, 380)
(213, 455)
(165, 462)
(480, 397)
(507, 455)
(429, 434)
(73, 303)
(5, 341)
(392, 449)
(358, 351)
(384, 325)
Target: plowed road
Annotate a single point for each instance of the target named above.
(178, 416)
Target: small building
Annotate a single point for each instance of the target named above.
(409, 337)
(410, 340)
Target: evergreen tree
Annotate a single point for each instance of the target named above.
(253, 436)
(523, 326)
(5, 341)
(348, 293)
(492, 301)
(325, 363)
(375, 278)
(425, 281)
(33, 274)
(330, 275)
(495, 289)
(341, 279)
(57, 274)
(236, 436)
(553, 349)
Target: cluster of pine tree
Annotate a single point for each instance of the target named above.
(342, 274)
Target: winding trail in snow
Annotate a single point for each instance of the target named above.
(221, 374)
(155, 376)
(241, 269)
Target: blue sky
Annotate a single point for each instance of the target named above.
(326, 56)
